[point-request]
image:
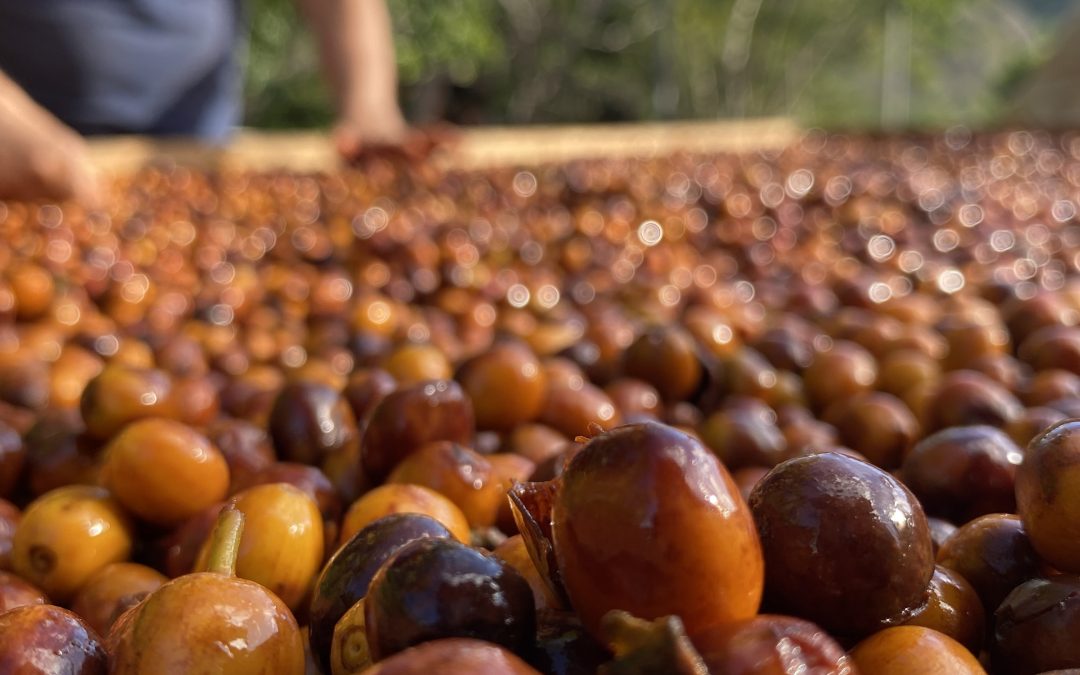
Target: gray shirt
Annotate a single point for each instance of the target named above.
(158, 67)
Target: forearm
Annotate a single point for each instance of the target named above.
(356, 46)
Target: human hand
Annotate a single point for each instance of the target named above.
(388, 135)
(40, 157)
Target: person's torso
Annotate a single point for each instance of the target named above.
(163, 67)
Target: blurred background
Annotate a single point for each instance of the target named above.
(855, 64)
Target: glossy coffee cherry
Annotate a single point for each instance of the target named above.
(536, 442)
(403, 498)
(965, 397)
(913, 649)
(940, 530)
(179, 550)
(120, 395)
(770, 644)
(66, 536)
(629, 497)
(1050, 385)
(12, 459)
(1031, 423)
(112, 591)
(365, 388)
(902, 370)
(506, 384)
(279, 517)
(634, 397)
(45, 640)
(9, 522)
(844, 371)
(308, 479)
(879, 426)
(310, 421)
(1036, 625)
(962, 473)
(33, 287)
(456, 472)
(952, 608)
(744, 438)
(1052, 347)
(993, 553)
(59, 453)
(16, 592)
(24, 380)
(163, 471)
(345, 578)
(246, 448)
(411, 417)
(809, 512)
(573, 405)
(70, 374)
(808, 435)
(1044, 494)
(413, 363)
(971, 340)
(665, 357)
(251, 395)
(1025, 316)
(788, 347)
(181, 356)
(1004, 369)
(438, 588)
(745, 372)
(194, 401)
(453, 655)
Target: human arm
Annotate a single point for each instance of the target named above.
(356, 47)
(40, 157)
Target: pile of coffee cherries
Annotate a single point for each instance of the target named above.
(811, 410)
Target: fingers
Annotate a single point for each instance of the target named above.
(357, 145)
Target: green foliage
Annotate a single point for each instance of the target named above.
(508, 61)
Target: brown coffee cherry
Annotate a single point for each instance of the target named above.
(902, 650)
(832, 528)
(437, 588)
(413, 363)
(630, 497)
(993, 553)
(310, 421)
(15, 592)
(952, 608)
(45, 639)
(962, 473)
(345, 578)
(403, 498)
(411, 417)
(666, 357)
(506, 384)
(120, 395)
(1045, 494)
(965, 397)
(113, 590)
(879, 426)
(634, 397)
(840, 373)
(771, 645)
(163, 471)
(453, 655)
(459, 473)
(1034, 627)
